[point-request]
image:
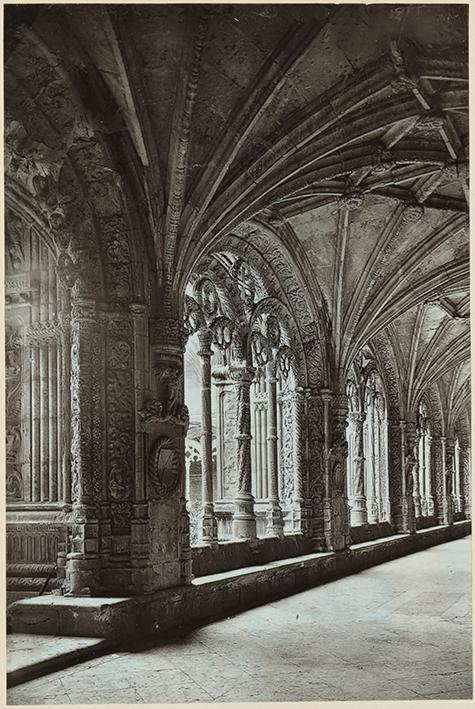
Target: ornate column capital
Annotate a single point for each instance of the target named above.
(168, 332)
(138, 309)
(205, 338)
(242, 374)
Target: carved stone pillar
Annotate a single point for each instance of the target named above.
(412, 439)
(447, 463)
(467, 482)
(209, 529)
(165, 420)
(226, 449)
(299, 512)
(408, 444)
(139, 546)
(65, 443)
(438, 462)
(82, 571)
(458, 480)
(422, 462)
(428, 475)
(244, 520)
(359, 512)
(275, 520)
(335, 506)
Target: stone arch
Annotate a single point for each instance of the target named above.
(283, 270)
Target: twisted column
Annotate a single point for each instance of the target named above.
(209, 529)
(275, 520)
(244, 520)
(359, 511)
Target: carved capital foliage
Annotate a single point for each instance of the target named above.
(242, 374)
(168, 331)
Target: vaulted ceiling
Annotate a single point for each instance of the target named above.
(343, 127)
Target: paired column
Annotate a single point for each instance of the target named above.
(359, 512)
(275, 520)
(209, 529)
(244, 520)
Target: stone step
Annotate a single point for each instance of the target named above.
(30, 656)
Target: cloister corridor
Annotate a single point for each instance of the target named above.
(398, 631)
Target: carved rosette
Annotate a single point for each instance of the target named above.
(412, 213)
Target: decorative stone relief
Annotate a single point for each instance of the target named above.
(164, 466)
(13, 384)
(168, 405)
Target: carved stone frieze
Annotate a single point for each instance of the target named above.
(43, 333)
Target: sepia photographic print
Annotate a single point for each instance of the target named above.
(237, 353)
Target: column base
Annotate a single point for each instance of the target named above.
(359, 512)
(448, 512)
(336, 528)
(244, 519)
(82, 575)
(417, 505)
(275, 520)
(408, 515)
(209, 526)
(373, 512)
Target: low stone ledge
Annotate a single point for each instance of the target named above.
(227, 556)
(213, 597)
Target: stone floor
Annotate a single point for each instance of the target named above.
(401, 630)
